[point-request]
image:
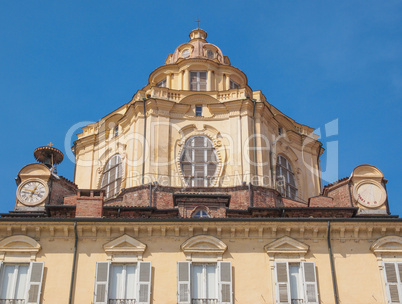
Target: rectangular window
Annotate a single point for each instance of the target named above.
(21, 283)
(122, 283)
(198, 80)
(393, 281)
(296, 283)
(116, 131)
(234, 85)
(204, 283)
(198, 110)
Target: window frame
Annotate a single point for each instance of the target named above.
(233, 85)
(203, 214)
(103, 281)
(187, 54)
(198, 85)
(224, 282)
(189, 149)
(198, 110)
(161, 84)
(283, 285)
(210, 54)
(118, 177)
(397, 266)
(286, 171)
(34, 280)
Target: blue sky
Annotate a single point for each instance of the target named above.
(64, 62)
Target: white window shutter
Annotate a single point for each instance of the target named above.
(282, 283)
(183, 282)
(391, 282)
(225, 282)
(35, 282)
(310, 282)
(101, 282)
(144, 282)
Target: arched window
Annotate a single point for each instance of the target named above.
(200, 213)
(112, 175)
(199, 162)
(285, 178)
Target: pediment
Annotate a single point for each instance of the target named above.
(203, 244)
(19, 243)
(286, 245)
(387, 244)
(124, 244)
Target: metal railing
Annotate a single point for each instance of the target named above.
(12, 301)
(121, 301)
(204, 301)
(297, 301)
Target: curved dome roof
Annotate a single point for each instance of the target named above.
(197, 48)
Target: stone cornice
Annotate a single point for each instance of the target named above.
(354, 230)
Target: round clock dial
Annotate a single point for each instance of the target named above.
(32, 192)
(370, 195)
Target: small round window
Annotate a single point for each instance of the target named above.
(185, 53)
(210, 54)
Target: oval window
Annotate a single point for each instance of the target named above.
(185, 53)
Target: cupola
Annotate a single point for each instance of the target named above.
(197, 48)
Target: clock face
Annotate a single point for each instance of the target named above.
(370, 195)
(32, 192)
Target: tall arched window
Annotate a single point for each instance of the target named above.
(112, 175)
(285, 178)
(199, 162)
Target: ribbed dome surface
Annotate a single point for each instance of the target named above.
(197, 47)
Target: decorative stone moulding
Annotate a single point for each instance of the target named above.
(212, 134)
(387, 245)
(286, 246)
(203, 247)
(124, 247)
(19, 246)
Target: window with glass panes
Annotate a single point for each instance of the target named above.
(198, 110)
(201, 213)
(285, 178)
(199, 162)
(122, 283)
(296, 283)
(204, 283)
(234, 85)
(198, 80)
(112, 176)
(162, 83)
(21, 283)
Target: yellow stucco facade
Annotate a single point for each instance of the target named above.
(358, 267)
(198, 191)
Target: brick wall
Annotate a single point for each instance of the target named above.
(340, 193)
(89, 207)
(60, 188)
